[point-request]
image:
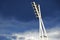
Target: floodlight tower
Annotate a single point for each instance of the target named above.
(42, 30)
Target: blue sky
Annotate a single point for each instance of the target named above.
(18, 15)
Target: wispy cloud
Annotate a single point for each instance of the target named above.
(10, 26)
(13, 26)
(53, 34)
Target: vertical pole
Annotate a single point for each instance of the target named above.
(42, 30)
(40, 25)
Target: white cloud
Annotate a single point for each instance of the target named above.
(11, 26)
(29, 35)
(53, 34)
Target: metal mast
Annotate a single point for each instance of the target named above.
(42, 30)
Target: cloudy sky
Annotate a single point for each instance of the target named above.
(17, 17)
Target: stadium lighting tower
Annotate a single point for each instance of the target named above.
(42, 30)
